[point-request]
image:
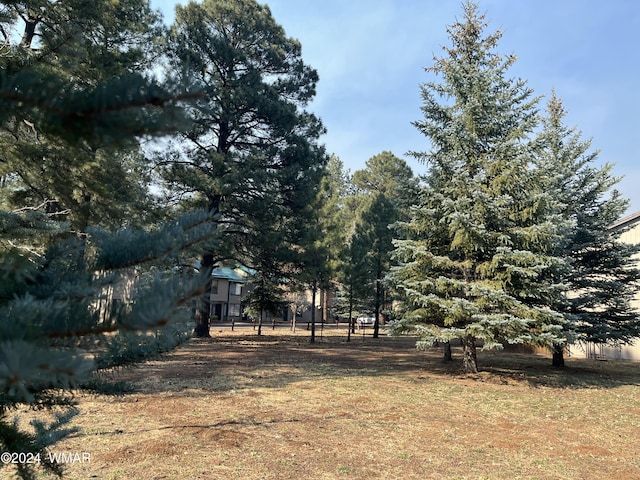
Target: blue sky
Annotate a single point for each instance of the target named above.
(371, 55)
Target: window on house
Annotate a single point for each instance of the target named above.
(236, 289)
(214, 287)
(234, 310)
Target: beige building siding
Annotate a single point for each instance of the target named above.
(606, 352)
(611, 351)
(632, 236)
(117, 293)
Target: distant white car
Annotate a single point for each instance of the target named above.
(362, 322)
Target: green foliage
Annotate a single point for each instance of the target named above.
(252, 148)
(252, 155)
(480, 249)
(383, 192)
(604, 277)
(128, 347)
(15, 439)
(390, 176)
(374, 235)
(354, 288)
(266, 295)
(69, 132)
(69, 91)
(53, 320)
(356, 213)
(334, 217)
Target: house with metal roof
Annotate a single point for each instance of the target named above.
(227, 290)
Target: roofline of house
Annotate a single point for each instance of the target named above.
(625, 221)
(228, 274)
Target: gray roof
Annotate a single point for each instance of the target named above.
(228, 274)
(627, 221)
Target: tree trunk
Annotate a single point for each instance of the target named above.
(29, 30)
(376, 323)
(322, 316)
(293, 320)
(314, 290)
(470, 359)
(446, 352)
(352, 321)
(350, 325)
(203, 306)
(260, 324)
(558, 355)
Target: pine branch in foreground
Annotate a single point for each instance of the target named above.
(54, 300)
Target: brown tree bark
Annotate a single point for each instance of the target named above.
(470, 359)
(314, 291)
(378, 305)
(446, 352)
(203, 306)
(30, 24)
(557, 359)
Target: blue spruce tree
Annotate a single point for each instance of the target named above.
(604, 276)
(59, 267)
(480, 248)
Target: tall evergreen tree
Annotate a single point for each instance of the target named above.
(333, 218)
(386, 187)
(339, 208)
(253, 146)
(81, 45)
(334, 214)
(480, 244)
(54, 276)
(375, 235)
(274, 265)
(315, 273)
(390, 176)
(317, 262)
(604, 277)
(354, 281)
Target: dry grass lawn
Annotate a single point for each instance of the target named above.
(238, 406)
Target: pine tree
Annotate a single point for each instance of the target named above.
(273, 265)
(315, 264)
(374, 234)
(334, 216)
(603, 278)
(253, 146)
(54, 277)
(338, 209)
(80, 45)
(266, 296)
(480, 244)
(389, 175)
(388, 187)
(354, 292)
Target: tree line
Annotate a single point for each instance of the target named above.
(507, 238)
(132, 148)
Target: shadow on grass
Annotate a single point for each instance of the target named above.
(227, 363)
(248, 420)
(537, 371)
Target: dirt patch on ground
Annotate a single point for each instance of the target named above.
(248, 407)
